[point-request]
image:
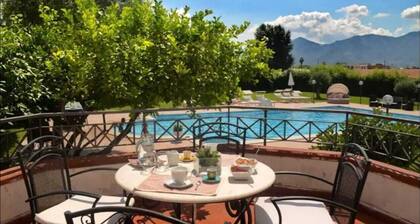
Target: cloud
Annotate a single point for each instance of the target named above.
(354, 10)
(322, 27)
(248, 34)
(411, 13)
(398, 31)
(381, 15)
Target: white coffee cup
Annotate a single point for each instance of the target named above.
(179, 174)
(173, 158)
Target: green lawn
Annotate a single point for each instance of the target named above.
(353, 99)
(271, 96)
(417, 106)
(162, 105)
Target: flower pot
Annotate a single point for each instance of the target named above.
(178, 135)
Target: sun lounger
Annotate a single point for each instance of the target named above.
(292, 96)
(283, 90)
(297, 94)
(265, 102)
(247, 98)
(247, 101)
(246, 92)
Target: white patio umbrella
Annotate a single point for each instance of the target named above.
(291, 83)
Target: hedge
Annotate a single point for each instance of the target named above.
(377, 83)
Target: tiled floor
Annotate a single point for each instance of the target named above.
(216, 213)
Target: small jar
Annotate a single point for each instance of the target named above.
(212, 172)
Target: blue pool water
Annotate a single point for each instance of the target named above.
(297, 121)
(276, 126)
(395, 115)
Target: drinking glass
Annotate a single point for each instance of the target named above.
(161, 164)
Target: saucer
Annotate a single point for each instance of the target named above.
(171, 184)
(207, 180)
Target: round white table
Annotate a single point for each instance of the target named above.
(129, 177)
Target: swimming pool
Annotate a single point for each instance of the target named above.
(280, 123)
(283, 124)
(369, 111)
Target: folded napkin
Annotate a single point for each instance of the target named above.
(156, 183)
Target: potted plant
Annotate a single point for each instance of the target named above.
(177, 131)
(208, 158)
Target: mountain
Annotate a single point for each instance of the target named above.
(395, 51)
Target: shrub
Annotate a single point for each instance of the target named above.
(323, 80)
(378, 135)
(301, 77)
(379, 83)
(406, 88)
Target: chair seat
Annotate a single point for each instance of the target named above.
(55, 214)
(293, 212)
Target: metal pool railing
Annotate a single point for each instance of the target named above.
(82, 136)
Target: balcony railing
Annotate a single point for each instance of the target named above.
(81, 136)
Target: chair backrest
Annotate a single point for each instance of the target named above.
(209, 132)
(102, 173)
(351, 175)
(44, 169)
(119, 215)
(216, 140)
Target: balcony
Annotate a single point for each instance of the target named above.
(391, 194)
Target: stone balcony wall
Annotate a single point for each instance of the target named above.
(391, 194)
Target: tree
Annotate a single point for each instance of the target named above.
(29, 9)
(21, 71)
(406, 88)
(301, 60)
(139, 54)
(277, 39)
(322, 77)
(322, 82)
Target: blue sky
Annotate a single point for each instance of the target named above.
(322, 21)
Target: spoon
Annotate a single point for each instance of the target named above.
(197, 184)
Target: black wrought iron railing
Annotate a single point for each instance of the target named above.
(87, 132)
(387, 145)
